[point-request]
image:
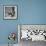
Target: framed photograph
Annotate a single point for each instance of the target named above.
(10, 12)
(31, 32)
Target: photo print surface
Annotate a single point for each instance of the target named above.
(33, 32)
(10, 12)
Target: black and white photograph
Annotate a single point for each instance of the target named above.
(10, 12)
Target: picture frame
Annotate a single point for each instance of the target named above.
(10, 12)
(33, 31)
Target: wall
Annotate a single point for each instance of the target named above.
(29, 12)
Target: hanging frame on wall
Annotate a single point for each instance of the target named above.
(34, 32)
(10, 12)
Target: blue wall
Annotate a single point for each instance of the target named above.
(29, 12)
